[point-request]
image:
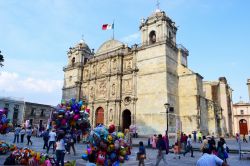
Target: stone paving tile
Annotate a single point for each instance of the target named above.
(150, 161)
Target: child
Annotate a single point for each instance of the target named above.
(141, 155)
(177, 150)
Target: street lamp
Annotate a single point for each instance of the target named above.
(166, 105)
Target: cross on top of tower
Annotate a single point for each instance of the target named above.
(158, 4)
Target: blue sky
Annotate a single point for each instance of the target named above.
(35, 36)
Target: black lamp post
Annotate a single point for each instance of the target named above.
(166, 105)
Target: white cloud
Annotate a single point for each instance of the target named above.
(12, 82)
(131, 39)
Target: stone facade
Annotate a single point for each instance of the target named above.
(37, 114)
(15, 107)
(219, 99)
(19, 111)
(130, 85)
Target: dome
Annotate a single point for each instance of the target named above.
(108, 46)
(83, 45)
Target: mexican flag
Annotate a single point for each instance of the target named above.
(107, 26)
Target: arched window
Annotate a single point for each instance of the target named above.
(73, 60)
(152, 37)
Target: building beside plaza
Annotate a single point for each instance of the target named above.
(241, 115)
(15, 108)
(19, 111)
(129, 85)
(219, 100)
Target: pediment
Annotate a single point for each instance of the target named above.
(109, 46)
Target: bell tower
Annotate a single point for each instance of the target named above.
(73, 72)
(156, 28)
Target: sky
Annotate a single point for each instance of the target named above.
(35, 37)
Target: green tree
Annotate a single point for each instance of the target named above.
(1, 59)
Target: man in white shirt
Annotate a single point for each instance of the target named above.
(208, 159)
(52, 140)
(189, 146)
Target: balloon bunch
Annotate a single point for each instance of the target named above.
(29, 157)
(107, 146)
(5, 123)
(71, 115)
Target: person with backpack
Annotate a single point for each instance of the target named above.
(45, 139)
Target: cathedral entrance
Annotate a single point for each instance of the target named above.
(99, 115)
(243, 127)
(126, 119)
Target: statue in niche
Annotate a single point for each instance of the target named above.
(86, 74)
(110, 115)
(113, 89)
(92, 92)
(102, 68)
(127, 85)
(102, 89)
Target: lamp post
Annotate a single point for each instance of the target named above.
(166, 105)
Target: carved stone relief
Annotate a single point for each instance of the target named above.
(86, 73)
(127, 85)
(102, 89)
(102, 69)
(93, 70)
(92, 92)
(129, 64)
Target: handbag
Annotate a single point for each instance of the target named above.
(225, 155)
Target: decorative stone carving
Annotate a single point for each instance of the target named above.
(102, 89)
(86, 73)
(92, 92)
(127, 100)
(102, 69)
(129, 64)
(127, 85)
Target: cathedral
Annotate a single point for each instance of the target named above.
(148, 85)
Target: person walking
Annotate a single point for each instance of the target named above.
(221, 150)
(237, 137)
(166, 140)
(45, 136)
(22, 133)
(161, 146)
(154, 140)
(199, 137)
(194, 136)
(16, 134)
(207, 159)
(52, 140)
(189, 146)
(244, 138)
(29, 134)
(60, 150)
(141, 155)
(70, 142)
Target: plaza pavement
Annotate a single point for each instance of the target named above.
(151, 154)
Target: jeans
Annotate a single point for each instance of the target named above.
(29, 141)
(16, 137)
(22, 136)
(60, 157)
(161, 156)
(45, 145)
(189, 148)
(53, 144)
(73, 147)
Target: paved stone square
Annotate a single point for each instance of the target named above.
(150, 161)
